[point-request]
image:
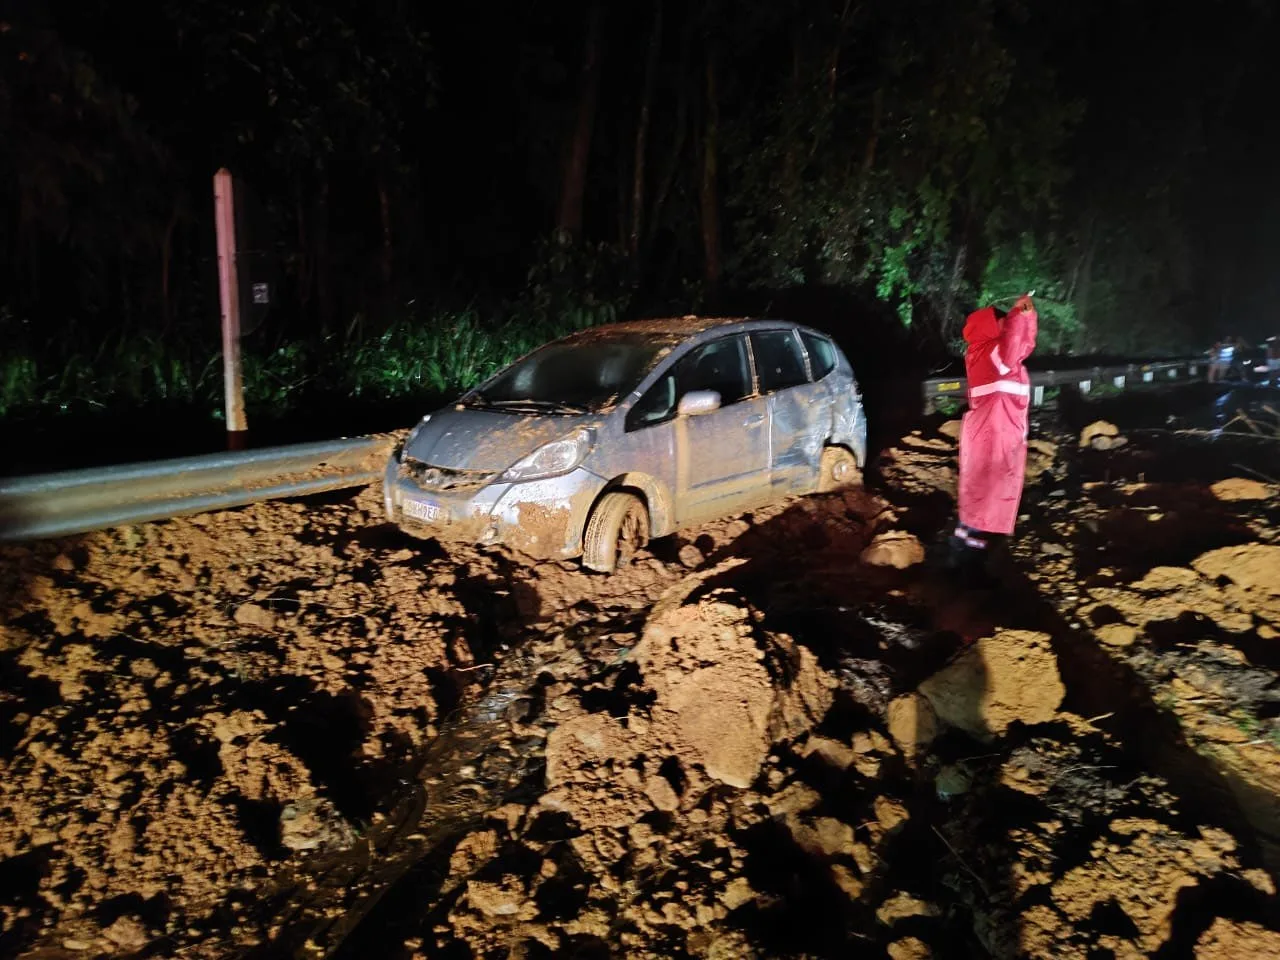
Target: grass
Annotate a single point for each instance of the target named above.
(430, 355)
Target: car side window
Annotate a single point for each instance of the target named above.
(779, 362)
(656, 406)
(721, 366)
(822, 354)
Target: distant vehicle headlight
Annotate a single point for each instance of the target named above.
(553, 459)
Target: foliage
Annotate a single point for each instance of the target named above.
(926, 156)
(431, 356)
(1023, 265)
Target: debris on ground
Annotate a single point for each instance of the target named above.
(1102, 435)
(773, 736)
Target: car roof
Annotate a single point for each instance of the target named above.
(676, 329)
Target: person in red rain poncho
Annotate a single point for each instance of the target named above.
(993, 438)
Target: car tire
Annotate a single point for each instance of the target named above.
(619, 526)
(838, 470)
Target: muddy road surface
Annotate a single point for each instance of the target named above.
(288, 730)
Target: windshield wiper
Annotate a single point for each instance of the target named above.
(552, 406)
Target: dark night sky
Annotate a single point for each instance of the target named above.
(1166, 200)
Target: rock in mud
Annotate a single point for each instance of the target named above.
(1117, 635)
(1099, 430)
(903, 905)
(252, 615)
(314, 824)
(912, 723)
(126, 934)
(895, 548)
(1010, 677)
(909, 948)
(1041, 456)
(1241, 488)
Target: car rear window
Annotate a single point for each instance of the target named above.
(779, 362)
(822, 354)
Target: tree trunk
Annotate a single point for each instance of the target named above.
(711, 173)
(321, 236)
(384, 212)
(642, 138)
(575, 169)
(791, 158)
(672, 165)
(304, 250)
(873, 139)
(833, 68)
(166, 263)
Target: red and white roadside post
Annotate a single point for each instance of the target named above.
(224, 210)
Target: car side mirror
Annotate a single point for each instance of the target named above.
(697, 402)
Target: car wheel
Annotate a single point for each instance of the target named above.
(838, 470)
(618, 528)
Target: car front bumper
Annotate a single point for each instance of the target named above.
(543, 518)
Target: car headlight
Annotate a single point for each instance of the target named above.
(553, 459)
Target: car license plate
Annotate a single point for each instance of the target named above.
(424, 510)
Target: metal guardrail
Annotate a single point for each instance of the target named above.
(78, 501)
(1083, 378)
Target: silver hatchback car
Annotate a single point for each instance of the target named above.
(596, 442)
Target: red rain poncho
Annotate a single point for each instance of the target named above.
(993, 441)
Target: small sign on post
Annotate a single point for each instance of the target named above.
(224, 210)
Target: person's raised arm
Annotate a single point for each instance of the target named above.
(1018, 336)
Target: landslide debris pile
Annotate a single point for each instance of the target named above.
(1180, 582)
(187, 703)
(782, 735)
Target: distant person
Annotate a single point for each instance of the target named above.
(1220, 360)
(993, 438)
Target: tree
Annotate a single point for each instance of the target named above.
(573, 189)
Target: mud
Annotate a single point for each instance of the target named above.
(288, 730)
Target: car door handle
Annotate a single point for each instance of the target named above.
(753, 420)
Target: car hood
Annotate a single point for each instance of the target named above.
(485, 440)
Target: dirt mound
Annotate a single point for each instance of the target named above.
(226, 692)
(1228, 940)
(1010, 677)
(1254, 567)
(1092, 857)
(714, 693)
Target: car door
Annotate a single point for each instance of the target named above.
(799, 410)
(717, 462)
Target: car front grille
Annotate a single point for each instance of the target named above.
(433, 478)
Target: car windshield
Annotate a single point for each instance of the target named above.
(579, 375)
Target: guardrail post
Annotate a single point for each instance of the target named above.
(1085, 386)
(224, 210)
(1118, 382)
(1037, 395)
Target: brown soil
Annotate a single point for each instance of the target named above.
(758, 740)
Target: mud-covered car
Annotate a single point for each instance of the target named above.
(596, 442)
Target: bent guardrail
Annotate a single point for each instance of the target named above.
(79, 501)
(1083, 378)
